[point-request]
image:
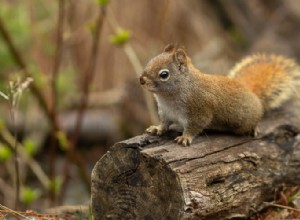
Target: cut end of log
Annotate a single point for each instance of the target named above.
(141, 186)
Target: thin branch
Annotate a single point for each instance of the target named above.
(30, 215)
(137, 66)
(162, 20)
(34, 165)
(16, 55)
(38, 94)
(282, 206)
(53, 87)
(89, 75)
(86, 82)
(15, 150)
(57, 61)
(8, 193)
(18, 214)
(15, 92)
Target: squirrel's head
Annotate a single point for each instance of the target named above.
(164, 71)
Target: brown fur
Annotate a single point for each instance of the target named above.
(195, 101)
(274, 79)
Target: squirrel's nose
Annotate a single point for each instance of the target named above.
(142, 80)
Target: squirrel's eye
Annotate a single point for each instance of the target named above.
(164, 74)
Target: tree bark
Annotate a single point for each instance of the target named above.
(220, 176)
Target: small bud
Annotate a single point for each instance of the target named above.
(103, 2)
(121, 37)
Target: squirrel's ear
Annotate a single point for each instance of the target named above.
(169, 48)
(180, 57)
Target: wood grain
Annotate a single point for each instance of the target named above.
(220, 176)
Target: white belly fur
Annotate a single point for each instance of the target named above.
(171, 111)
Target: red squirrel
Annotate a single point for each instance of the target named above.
(195, 101)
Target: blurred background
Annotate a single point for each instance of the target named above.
(85, 57)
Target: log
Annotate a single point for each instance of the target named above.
(220, 176)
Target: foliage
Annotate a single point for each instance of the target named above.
(121, 37)
(30, 147)
(103, 2)
(55, 185)
(33, 28)
(17, 20)
(5, 152)
(29, 195)
(63, 140)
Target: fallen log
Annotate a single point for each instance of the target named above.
(220, 176)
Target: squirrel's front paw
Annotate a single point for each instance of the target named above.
(184, 140)
(156, 130)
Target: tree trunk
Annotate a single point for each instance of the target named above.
(218, 177)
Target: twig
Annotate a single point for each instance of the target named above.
(37, 92)
(53, 103)
(14, 212)
(137, 66)
(131, 54)
(34, 165)
(162, 19)
(282, 206)
(57, 62)
(88, 77)
(7, 192)
(20, 62)
(31, 215)
(41, 99)
(15, 150)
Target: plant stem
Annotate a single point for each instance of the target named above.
(53, 103)
(15, 150)
(138, 68)
(282, 206)
(33, 164)
(16, 55)
(88, 76)
(86, 82)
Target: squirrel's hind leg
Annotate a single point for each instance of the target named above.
(254, 132)
(184, 139)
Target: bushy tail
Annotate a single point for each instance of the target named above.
(274, 79)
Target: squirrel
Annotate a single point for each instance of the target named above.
(237, 102)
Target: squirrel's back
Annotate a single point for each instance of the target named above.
(274, 79)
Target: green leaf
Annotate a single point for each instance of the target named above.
(62, 140)
(90, 213)
(55, 185)
(17, 22)
(121, 37)
(5, 153)
(103, 2)
(2, 124)
(30, 147)
(29, 195)
(293, 197)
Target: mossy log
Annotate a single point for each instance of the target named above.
(220, 176)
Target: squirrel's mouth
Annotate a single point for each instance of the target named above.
(147, 84)
(149, 87)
